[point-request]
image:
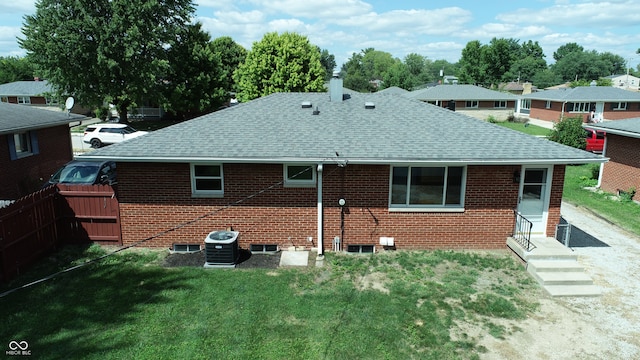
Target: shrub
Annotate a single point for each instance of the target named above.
(492, 119)
(569, 132)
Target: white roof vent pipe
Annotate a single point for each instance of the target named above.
(335, 88)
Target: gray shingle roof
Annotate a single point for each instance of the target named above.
(15, 118)
(25, 88)
(586, 94)
(627, 127)
(393, 90)
(459, 92)
(276, 128)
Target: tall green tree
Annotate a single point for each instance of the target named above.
(354, 75)
(285, 62)
(328, 62)
(472, 66)
(566, 49)
(105, 50)
(497, 58)
(196, 86)
(527, 64)
(13, 68)
(231, 55)
(399, 74)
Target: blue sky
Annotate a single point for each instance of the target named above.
(437, 30)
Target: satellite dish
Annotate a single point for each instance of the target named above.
(69, 103)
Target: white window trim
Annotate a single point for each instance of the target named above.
(547, 105)
(474, 104)
(502, 104)
(24, 100)
(618, 106)
(206, 193)
(4, 99)
(430, 208)
(17, 143)
(299, 183)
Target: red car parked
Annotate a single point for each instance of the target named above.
(595, 140)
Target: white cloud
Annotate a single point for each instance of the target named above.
(317, 9)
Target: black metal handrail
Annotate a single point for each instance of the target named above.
(522, 230)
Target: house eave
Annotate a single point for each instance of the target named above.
(343, 160)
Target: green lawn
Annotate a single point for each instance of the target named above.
(622, 213)
(525, 128)
(394, 305)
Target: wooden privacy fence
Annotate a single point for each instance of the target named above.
(36, 224)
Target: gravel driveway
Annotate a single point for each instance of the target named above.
(605, 327)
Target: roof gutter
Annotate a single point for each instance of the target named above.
(425, 162)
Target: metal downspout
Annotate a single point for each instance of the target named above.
(604, 152)
(320, 210)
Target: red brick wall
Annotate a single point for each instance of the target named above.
(539, 111)
(555, 201)
(156, 198)
(22, 176)
(622, 172)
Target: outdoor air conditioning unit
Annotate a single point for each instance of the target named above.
(221, 249)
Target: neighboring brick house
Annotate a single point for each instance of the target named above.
(622, 147)
(28, 93)
(34, 143)
(608, 103)
(303, 168)
(465, 97)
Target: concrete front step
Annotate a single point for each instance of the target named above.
(562, 278)
(537, 265)
(573, 290)
(555, 267)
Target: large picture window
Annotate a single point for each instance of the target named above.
(427, 187)
(207, 180)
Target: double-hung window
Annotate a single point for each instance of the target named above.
(299, 175)
(22, 144)
(428, 188)
(24, 100)
(471, 104)
(207, 180)
(500, 104)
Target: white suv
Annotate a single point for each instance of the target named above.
(99, 135)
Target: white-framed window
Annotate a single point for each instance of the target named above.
(24, 100)
(619, 106)
(207, 180)
(22, 144)
(582, 107)
(439, 188)
(547, 105)
(471, 104)
(299, 175)
(4, 99)
(500, 104)
(525, 104)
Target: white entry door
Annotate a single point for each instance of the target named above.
(533, 198)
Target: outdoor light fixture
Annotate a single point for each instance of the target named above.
(342, 202)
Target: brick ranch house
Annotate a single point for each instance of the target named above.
(608, 103)
(468, 99)
(622, 147)
(34, 143)
(306, 169)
